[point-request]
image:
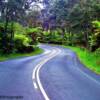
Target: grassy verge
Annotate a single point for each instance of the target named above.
(15, 55)
(90, 60)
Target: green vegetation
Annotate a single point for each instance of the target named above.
(90, 60)
(23, 43)
(19, 55)
(23, 24)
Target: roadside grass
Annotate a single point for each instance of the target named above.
(16, 55)
(90, 60)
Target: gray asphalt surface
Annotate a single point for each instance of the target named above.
(63, 78)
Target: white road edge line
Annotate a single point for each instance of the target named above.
(34, 71)
(37, 75)
(35, 85)
(37, 70)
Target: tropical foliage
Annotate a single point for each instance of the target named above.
(69, 22)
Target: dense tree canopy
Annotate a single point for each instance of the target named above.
(61, 21)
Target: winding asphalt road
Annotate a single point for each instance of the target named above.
(57, 74)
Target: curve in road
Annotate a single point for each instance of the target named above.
(57, 74)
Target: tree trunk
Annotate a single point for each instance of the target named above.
(86, 35)
(12, 37)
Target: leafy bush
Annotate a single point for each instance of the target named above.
(52, 36)
(56, 37)
(21, 40)
(19, 29)
(94, 38)
(96, 24)
(97, 52)
(34, 33)
(34, 30)
(22, 43)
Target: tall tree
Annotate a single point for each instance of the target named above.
(11, 11)
(81, 16)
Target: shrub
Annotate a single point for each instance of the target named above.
(34, 33)
(97, 52)
(96, 24)
(22, 43)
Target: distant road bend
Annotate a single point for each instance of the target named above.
(57, 74)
